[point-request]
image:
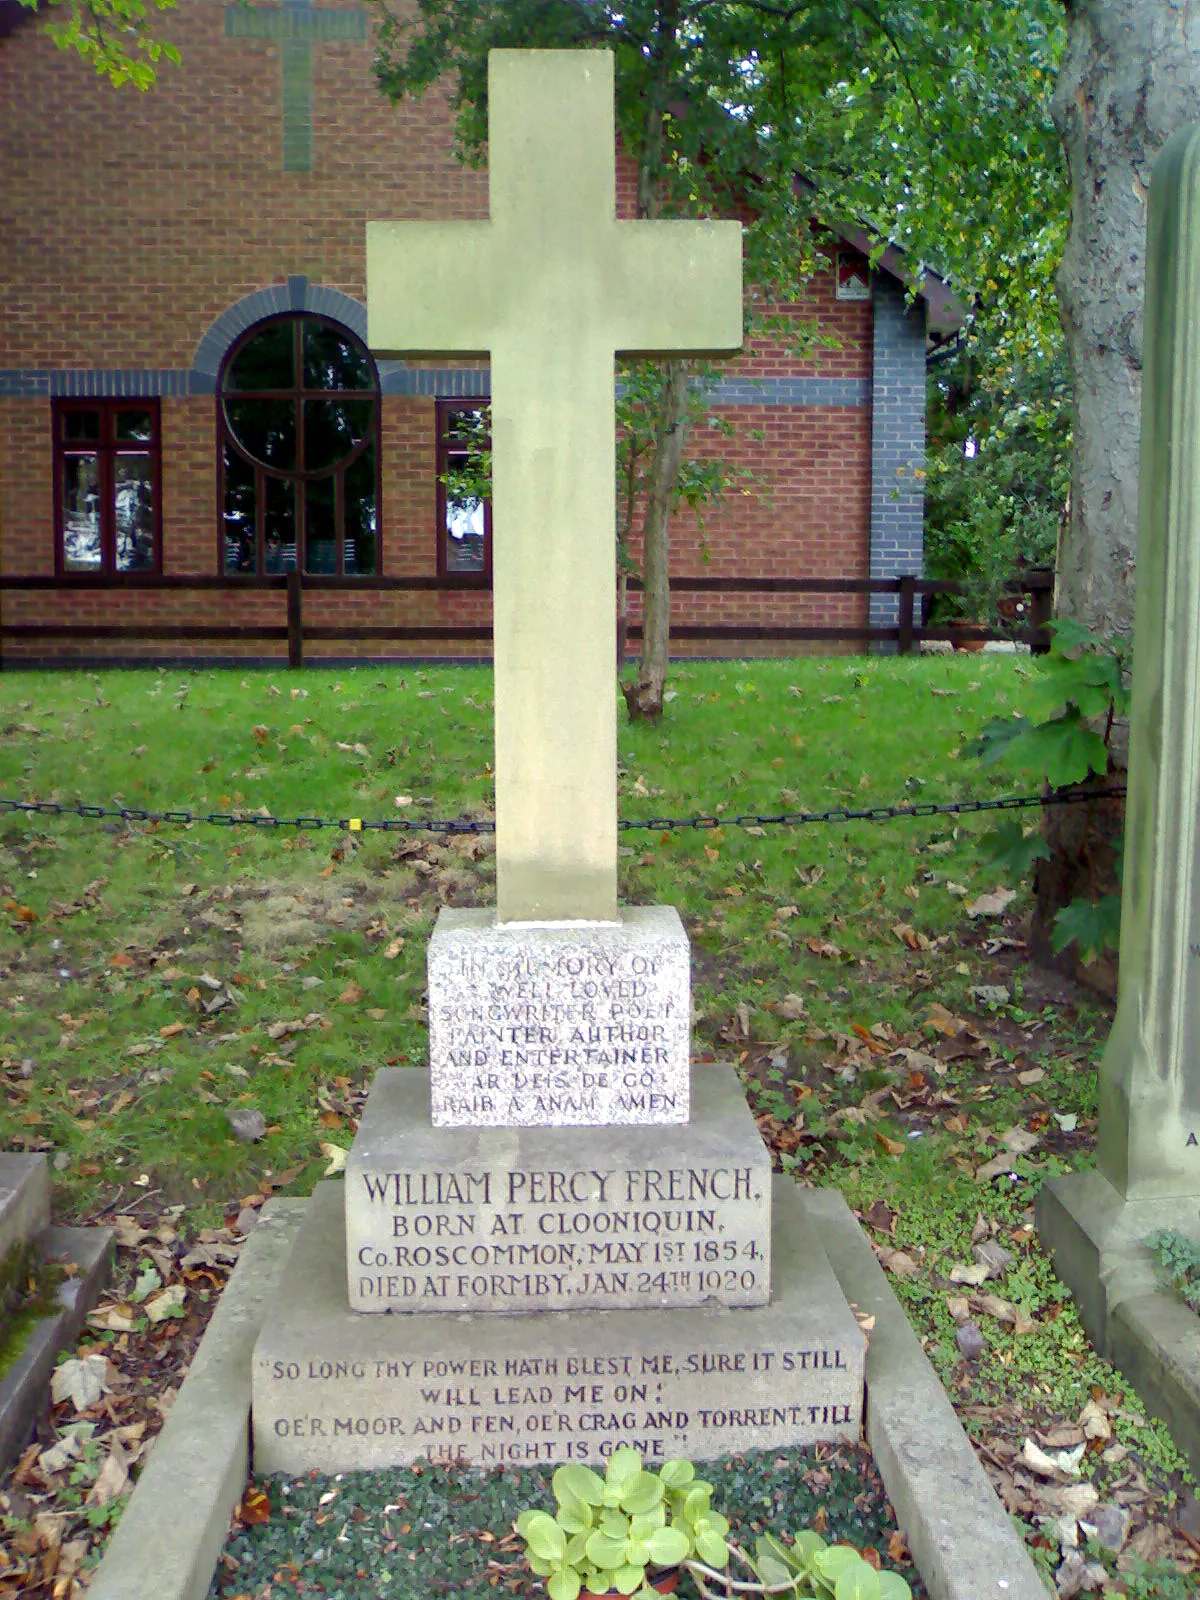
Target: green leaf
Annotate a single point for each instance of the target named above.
(997, 739)
(605, 1551)
(624, 1464)
(579, 1482)
(668, 1546)
(641, 1493)
(1094, 925)
(626, 1579)
(544, 1537)
(711, 1548)
(791, 1558)
(1013, 850)
(807, 1546)
(857, 1582)
(677, 1472)
(1066, 750)
(893, 1587)
(770, 1570)
(564, 1585)
(838, 1558)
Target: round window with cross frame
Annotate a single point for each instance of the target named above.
(298, 451)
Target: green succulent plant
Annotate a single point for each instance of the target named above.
(809, 1566)
(608, 1533)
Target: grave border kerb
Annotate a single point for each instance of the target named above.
(961, 1536)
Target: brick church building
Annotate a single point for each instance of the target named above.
(189, 412)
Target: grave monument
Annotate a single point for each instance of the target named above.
(562, 1237)
(1095, 1224)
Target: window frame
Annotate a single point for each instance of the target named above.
(106, 448)
(297, 395)
(445, 410)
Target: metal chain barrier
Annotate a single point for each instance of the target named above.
(468, 825)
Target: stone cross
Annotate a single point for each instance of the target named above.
(1150, 1076)
(552, 286)
(295, 26)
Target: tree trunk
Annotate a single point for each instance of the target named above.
(1130, 75)
(644, 696)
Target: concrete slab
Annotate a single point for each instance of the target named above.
(338, 1391)
(1097, 1243)
(172, 1532)
(24, 1389)
(559, 1024)
(24, 1199)
(552, 1219)
(962, 1540)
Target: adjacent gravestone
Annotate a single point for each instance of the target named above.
(30, 1347)
(571, 1229)
(1095, 1224)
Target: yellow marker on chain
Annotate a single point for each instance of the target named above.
(355, 824)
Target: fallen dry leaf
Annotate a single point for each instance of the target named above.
(991, 905)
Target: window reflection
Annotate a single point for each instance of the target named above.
(300, 467)
(134, 500)
(464, 478)
(81, 545)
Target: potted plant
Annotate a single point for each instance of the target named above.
(633, 1531)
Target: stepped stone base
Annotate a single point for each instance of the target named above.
(24, 1200)
(338, 1391)
(559, 1024)
(548, 1219)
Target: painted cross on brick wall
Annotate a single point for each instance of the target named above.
(295, 26)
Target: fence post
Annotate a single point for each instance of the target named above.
(908, 586)
(1041, 608)
(295, 620)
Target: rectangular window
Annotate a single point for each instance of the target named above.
(464, 478)
(108, 486)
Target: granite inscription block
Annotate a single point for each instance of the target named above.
(569, 1024)
(545, 1219)
(338, 1391)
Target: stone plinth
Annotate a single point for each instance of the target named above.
(570, 1024)
(339, 1392)
(546, 1219)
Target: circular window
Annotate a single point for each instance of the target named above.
(298, 409)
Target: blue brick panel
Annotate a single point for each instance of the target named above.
(897, 443)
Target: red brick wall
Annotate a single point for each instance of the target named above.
(129, 222)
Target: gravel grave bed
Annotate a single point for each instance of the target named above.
(413, 1533)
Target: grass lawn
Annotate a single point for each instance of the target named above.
(154, 979)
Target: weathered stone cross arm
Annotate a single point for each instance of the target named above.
(552, 287)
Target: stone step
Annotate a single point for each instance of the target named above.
(24, 1386)
(24, 1200)
(336, 1391)
(551, 1219)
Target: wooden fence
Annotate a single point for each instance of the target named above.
(1031, 616)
